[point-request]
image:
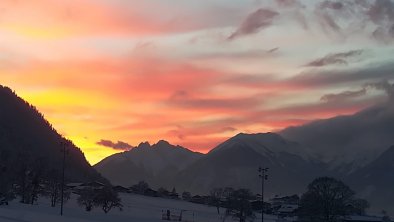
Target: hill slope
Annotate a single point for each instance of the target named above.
(25, 136)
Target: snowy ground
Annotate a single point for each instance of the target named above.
(136, 208)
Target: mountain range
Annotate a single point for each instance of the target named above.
(354, 148)
(358, 149)
(155, 164)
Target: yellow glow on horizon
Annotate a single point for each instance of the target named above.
(94, 153)
(37, 32)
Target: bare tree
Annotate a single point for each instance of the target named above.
(53, 188)
(216, 195)
(87, 198)
(329, 200)
(37, 179)
(107, 198)
(238, 205)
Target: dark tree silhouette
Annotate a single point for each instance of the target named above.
(216, 196)
(6, 193)
(329, 200)
(186, 196)
(385, 217)
(52, 188)
(107, 198)
(87, 198)
(163, 192)
(238, 205)
(173, 191)
(37, 176)
(29, 177)
(141, 187)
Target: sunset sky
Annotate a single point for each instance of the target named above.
(114, 73)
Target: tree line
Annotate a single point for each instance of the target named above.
(28, 179)
(326, 200)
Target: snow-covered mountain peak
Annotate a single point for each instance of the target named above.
(266, 144)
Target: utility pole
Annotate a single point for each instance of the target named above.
(263, 175)
(64, 145)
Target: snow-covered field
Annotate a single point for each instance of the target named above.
(135, 208)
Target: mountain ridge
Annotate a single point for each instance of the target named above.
(25, 133)
(156, 161)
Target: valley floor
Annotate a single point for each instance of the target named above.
(135, 208)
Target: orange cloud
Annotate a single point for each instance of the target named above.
(121, 71)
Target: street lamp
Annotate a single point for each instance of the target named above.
(64, 145)
(263, 175)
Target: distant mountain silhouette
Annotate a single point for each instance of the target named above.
(348, 143)
(235, 163)
(352, 148)
(25, 135)
(232, 163)
(375, 181)
(156, 164)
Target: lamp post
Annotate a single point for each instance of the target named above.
(64, 145)
(263, 175)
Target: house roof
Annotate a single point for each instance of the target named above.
(288, 208)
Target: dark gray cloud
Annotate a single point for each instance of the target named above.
(321, 78)
(343, 95)
(317, 78)
(381, 13)
(273, 50)
(335, 59)
(335, 5)
(383, 34)
(247, 54)
(118, 145)
(295, 10)
(357, 14)
(289, 3)
(386, 86)
(327, 12)
(260, 19)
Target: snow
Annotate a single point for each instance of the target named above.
(267, 144)
(136, 208)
